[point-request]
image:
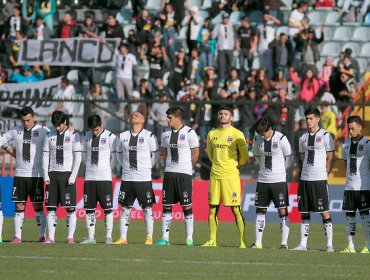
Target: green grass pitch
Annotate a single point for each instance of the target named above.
(30, 260)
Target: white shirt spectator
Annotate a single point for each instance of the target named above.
(195, 24)
(124, 65)
(296, 19)
(66, 93)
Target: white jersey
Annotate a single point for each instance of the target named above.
(178, 145)
(357, 156)
(272, 154)
(28, 145)
(61, 147)
(134, 152)
(98, 152)
(314, 147)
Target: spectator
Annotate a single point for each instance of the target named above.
(262, 107)
(233, 85)
(349, 88)
(169, 27)
(325, 96)
(348, 3)
(326, 72)
(246, 44)
(39, 31)
(144, 26)
(65, 91)
(309, 85)
(29, 11)
(280, 110)
(195, 67)
(68, 28)
(247, 115)
(207, 45)
(219, 6)
(88, 28)
(112, 29)
(161, 89)
(27, 75)
(345, 66)
(295, 19)
(354, 63)
(15, 23)
(13, 47)
(192, 107)
(282, 54)
(328, 120)
(96, 94)
(279, 80)
(194, 22)
(144, 90)
(262, 84)
(137, 7)
(225, 35)
(178, 73)
(136, 105)
(324, 4)
(179, 6)
(157, 63)
(46, 10)
(158, 114)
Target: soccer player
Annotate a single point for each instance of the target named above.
(228, 151)
(180, 146)
(317, 151)
(61, 162)
(356, 154)
(137, 151)
(99, 153)
(28, 139)
(274, 155)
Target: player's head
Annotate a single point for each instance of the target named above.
(263, 128)
(174, 117)
(137, 118)
(354, 124)
(27, 117)
(312, 117)
(59, 121)
(225, 115)
(95, 124)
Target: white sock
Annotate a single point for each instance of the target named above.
(260, 226)
(41, 222)
(18, 223)
(366, 229)
(124, 221)
(1, 223)
(351, 231)
(189, 225)
(166, 225)
(71, 223)
(305, 231)
(149, 221)
(108, 225)
(328, 228)
(52, 223)
(90, 224)
(284, 227)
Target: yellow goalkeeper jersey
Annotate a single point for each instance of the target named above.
(227, 149)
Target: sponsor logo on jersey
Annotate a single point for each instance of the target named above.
(318, 139)
(360, 148)
(141, 140)
(103, 141)
(67, 140)
(36, 134)
(182, 137)
(230, 139)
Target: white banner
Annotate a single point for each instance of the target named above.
(30, 94)
(81, 52)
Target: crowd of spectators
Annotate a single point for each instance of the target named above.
(215, 63)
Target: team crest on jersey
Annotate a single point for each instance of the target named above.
(67, 140)
(182, 137)
(185, 194)
(103, 141)
(275, 145)
(234, 194)
(141, 140)
(360, 148)
(36, 134)
(318, 139)
(230, 139)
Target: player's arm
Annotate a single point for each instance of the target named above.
(46, 160)
(301, 147)
(287, 152)
(344, 155)
(112, 147)
(242, 147)
(209, 147)
(256, 151)
(77, 158)
(163, 150)
(194, 156)
(83, 149)
(119, 151)
(330, 152)
(154, 149)
(194, 146)
(6, 137)
(9, 150)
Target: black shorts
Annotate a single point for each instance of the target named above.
(277, 192)
(353, 200)
(28, 186)
(130, 190)
(58, 191)
(313, 196)
(98, 191)
(177, 187)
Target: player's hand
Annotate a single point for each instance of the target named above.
(70, 182)
(47, 182)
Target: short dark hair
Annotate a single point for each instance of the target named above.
(27, 110)
(58, 118)
(312, 111)
(94, 121)
(302, 4)
(354, 119)
(227, 108)
(348, 51)
(263, 125)
(65, 80)
(176, 111)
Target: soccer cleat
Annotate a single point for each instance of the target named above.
(348, 250)
(49, 241)
(16, 240)
(71, 240)
(108, 240)
(88, 241)
(365, 250)
(329, 249)
(42, 239)
(284, 246)
(210, 243)
(120, 241)
(299, 248)
(148, 241)
(256, 246)
(242, 245)
(162, 242)
(189, 243)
